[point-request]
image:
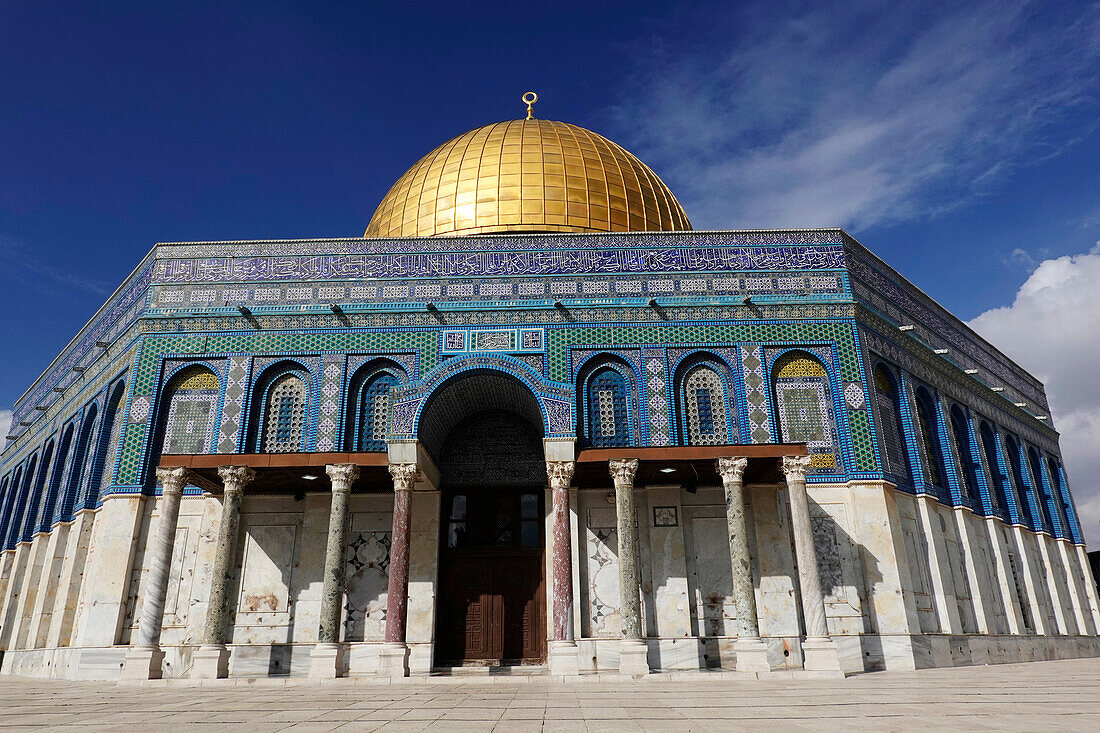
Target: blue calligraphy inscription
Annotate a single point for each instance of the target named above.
(497, 264)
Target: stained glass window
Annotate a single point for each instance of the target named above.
(285, 414)
(704, 398)
(608, 423)
(374, 412)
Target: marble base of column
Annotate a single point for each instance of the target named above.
(752, 655)
(633, 657)
(143, 663)
(326, 661)
(564, 659)
(210, 662)
(820, 655)
(393, 660)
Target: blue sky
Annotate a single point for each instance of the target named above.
(957, 141)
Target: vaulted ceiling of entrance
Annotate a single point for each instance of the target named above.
(469, 394)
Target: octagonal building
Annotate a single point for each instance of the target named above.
(532, 422)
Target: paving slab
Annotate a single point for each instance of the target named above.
(1063, 695)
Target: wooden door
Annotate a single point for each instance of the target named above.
(492, 607)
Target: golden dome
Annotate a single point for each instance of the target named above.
(527, 176)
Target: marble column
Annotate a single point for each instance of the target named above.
(818, 650)
(633, 652)
(751, 652)
(211, 660)
(563, 657)
(393, 658)
(144, 658)
(327, 655)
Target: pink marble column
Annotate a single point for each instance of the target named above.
(560, 473)
(393, 659)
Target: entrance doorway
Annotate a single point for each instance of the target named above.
(492, 598)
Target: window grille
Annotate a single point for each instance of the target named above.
(284, 420)
(608, 422)
(705, 406)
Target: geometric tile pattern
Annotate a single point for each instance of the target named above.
(236, 382)
(332, 378)
(757, 401)
(657, 396)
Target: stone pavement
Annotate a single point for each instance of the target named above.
(1061, 695)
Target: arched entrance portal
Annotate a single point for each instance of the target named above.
(485, 431)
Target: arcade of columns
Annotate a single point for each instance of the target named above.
(211, 659)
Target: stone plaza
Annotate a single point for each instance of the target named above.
(1059, 695)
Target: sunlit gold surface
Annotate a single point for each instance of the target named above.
(527, 175)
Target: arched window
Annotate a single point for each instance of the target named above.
(1012, 450)
(11, 491)
(999, 494)
(192, 407)
(21, 503)
(109, 435)
(80, 459)
(805, 407)
(1059, 496)
(34, 503)
(960, 428)
(283, 426)
(896, 457)
(1041, 490)
(931, 449)
(60, 467)
(369, 406)
(608, 409)
(703, 407)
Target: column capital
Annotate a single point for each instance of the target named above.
(623, 469)
(342, 475)
(795, 466)
(560, 473)
(172, 480)
(404, 475)
(732, 468)
(235, 478)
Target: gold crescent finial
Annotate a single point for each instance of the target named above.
(530, 98)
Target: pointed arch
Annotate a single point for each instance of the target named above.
(279, 417)
(964, 449)
(605, 415)
(368, 405)
(928, 437)
(803, 403)
(61, 468)
(106, 446)
(998, 496)
(1012, 450)
(79, 461)
(32, 518)
(888, 400)
(22, 504)
(703, 406)
(1042, 492)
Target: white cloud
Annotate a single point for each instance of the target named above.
(854, 114)
(1051, 330)
(5, 426)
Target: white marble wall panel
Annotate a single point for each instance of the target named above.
(773, 562)
(265, 574)
(669, 564)
(423, 579)
(77, 548)
(106, 581)
(366, 571)
(602, 563)
(48, 583)
(837, 557)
